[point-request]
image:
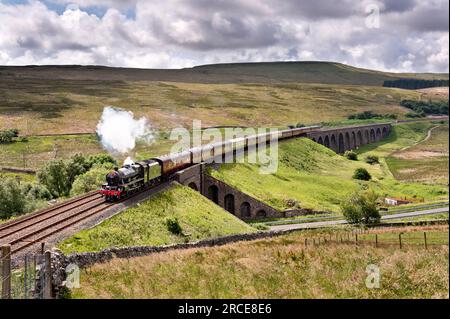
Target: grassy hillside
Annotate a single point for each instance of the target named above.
(147, 224)
(265, 72)
(67, 106)
(318, 178)
(426, 161)
(275, 268)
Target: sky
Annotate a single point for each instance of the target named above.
(389, 35)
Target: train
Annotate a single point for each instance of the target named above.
(133, 177)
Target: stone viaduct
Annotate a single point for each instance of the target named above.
(349, 138)
(246, 207)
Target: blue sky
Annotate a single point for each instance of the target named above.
(400, 35)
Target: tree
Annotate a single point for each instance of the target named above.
(362, 174)
(54, 176)
(12, 201)
(75, 166)
(100, 159)
(91, 180)
(361, 208)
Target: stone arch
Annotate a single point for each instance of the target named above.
(245, 210)
(320, 140)
(384, 133)
(326, 141)
(353, 140)
(372, 136)
(333, 143)
(366, 137)
(213, 193)
(341, 145)
(378, 134)
(261, 213)
(193, 185)
(347, 141)
(359, 139)
(228, 202)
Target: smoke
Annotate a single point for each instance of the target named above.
(119, 131)
(128, 161)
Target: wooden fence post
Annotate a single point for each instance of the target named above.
(306, 242)
(376, 240)
(47, 275)
(425, 239)
(356, 239)
(6, 272)
(400, 240)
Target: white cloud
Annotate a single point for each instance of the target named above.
(183, 33)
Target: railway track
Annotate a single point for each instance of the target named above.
(31, 229)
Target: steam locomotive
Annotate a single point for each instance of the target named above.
(133, 177)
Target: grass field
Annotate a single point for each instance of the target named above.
(69, 100)
(319, 179)
(280, 267)
(146, 224)
(426, 161)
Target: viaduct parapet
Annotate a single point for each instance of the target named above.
(246, 207)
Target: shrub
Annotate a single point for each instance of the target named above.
(12, 201)
(361, 208)
(351, 155)
(54, 176)
(173, 226)
(100, 159)
(35, 191)
(372, 159)
(90, 180)
(362, 174)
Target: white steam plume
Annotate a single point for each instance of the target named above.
(119, 131)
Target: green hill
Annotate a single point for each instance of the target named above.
(147, 224)
(318, 178)
(264, 72)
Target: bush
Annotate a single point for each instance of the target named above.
(366, 115)
(426, 107)
(12, 201)
(59, 176)
(362, 174)
(100, 159)
(54, 176)
(90, 180)
(361, 208)
(35, 191)
(173, 226)
(414, 115)
(8, 136)
(372, 159)
(351, 155)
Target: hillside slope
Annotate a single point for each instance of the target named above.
(317, 178)
(265, 72)
(146, 224)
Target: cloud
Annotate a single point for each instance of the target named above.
(412, 34)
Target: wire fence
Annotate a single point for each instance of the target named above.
(425, 239)
(26, 281)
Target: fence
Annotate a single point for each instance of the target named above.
(376, 239)
(31, 280)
